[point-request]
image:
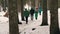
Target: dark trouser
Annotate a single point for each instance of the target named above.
(32, 17)
(26, 20)
(36, 18)
(40, 12)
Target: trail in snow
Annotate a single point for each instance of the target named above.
(26, 28)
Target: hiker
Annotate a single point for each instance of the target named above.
(26, 15)
(32, 13)
(36, 13)
(40, 10)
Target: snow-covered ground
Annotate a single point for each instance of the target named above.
(26, 28)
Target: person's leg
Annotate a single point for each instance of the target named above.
(36, 18)
(40, 13)
(26, 20)
(31, 17)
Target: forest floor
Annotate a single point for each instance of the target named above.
(27, 28)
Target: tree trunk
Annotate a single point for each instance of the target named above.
(4, 4)
(54, 27)
(18, 8)
(19, 5)
(44, 20)
(58, 3)
(48, 4)
(0, 8)
(22, 17)
(13, 17)
(33, 4)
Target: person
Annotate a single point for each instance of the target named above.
(36, 13)
(26, 15)
(32, 13)
(40, 10)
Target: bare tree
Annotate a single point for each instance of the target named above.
(54, 27)
(33, 3)
(19, 5)
(13, 17)
(58, 3)
(22, 17)
(44, 20)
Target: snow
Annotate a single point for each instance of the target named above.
(26, 28)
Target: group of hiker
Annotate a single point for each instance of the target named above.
(32, 12)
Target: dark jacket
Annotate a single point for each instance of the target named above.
(26, 13)
(32, 11)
